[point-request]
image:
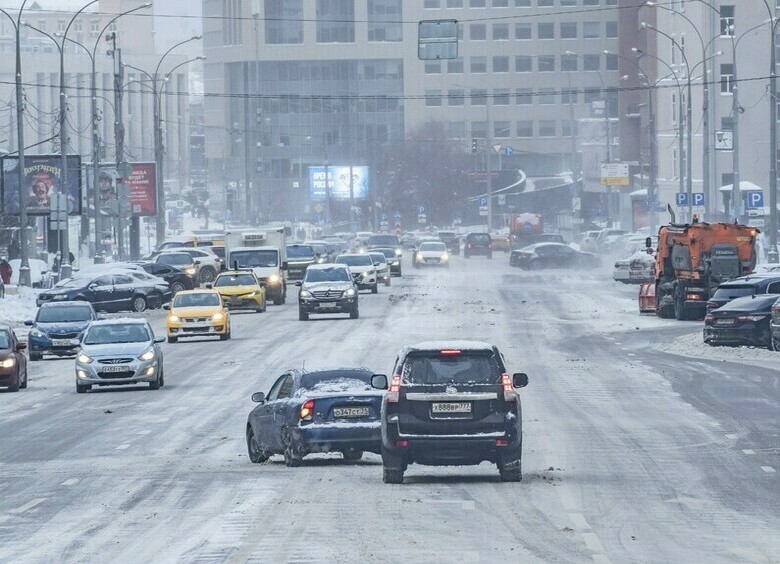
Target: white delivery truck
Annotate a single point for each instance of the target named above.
(264, 250)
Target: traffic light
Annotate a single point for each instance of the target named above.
(474, 145)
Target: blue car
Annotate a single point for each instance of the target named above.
(55, 325)
(317, 411)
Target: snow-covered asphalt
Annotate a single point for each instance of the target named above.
(641, 444)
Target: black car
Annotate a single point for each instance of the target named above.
(327, 288)
(751, 285)
(478, 244)
(13, 363)
(393, 260)
(55, 326)
(552, 255)
(453, 404)
(298, 258)
(743, 321)
(318, 411)
(452, 240)
(106, 292)
(176, 277)
(384, 240)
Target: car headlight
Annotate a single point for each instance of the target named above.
(36, 333)
(419, 256)
(250, 295)
(398, 252)
(305, 294)
(445, 257)
(217, 317)
(83, 359)
(191, 270)
(9, 362)
(321, 260)
(274, 279)
(350, 292)
(173, 318)
(60, 297)
(148, 355)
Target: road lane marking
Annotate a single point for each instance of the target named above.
(592, 542)
(70, 482)
(768, 469)
(579, 521)
(29, 505)
(731, 436)
(631, 354)
(145, 432)
(36, 405)
(122, 447)
(748, 451)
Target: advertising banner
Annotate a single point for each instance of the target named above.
(337, 184)
(141, 187)
(42, 180)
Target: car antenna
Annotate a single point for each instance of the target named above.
(303, 366)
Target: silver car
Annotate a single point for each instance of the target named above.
(382, 267)
(119, 352)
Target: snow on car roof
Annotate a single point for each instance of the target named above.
(450, 345)
(120, 321)
(326, 266)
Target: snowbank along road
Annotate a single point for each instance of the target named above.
(639, 445)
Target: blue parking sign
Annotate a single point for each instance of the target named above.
(483, 202)
(755, 199)
(681, 198)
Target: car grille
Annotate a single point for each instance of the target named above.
(63, 335)
(117, 375)
(432, 260)
(195, 319)
(115, 360)
(327, 294)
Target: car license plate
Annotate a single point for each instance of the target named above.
(350, 412)
(451, 407)
(114, 369)
(328, 304)
(60, 342)
(727, 321)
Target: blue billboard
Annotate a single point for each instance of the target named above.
(338, 182)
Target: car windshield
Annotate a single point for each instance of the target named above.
(391, 240)
(333, 274)
(117, 333)
(175, 258)
(64, 314)
(378, 257)
(388, 253)
(435, 247)
(732, 292)
(235, 280)
(336, 381)
(431, 369)
(479, 238)
(355, 260)
(251, 259)
(447, 235)
(5, 341)
(199, 299)
(300, 251)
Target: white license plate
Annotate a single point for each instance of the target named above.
(60, 342)
(451, 407)
(726, 321)
(328, 304)
(350, 412)
(113, 369)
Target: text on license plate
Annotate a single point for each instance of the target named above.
(350, 412)
(60, 342)
(114, 369)
(328, 304)
(451, 407)
(727, 321)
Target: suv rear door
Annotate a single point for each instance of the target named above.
(451, 392)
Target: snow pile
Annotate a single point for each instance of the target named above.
(692, 345)
(15, 309)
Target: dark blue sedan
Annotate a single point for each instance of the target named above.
(55, 326)
(319, 411)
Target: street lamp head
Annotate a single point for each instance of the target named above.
(607, 52)
(570, 53)
(642, 24)
(196, 37)
(650, 3)
(201, 58)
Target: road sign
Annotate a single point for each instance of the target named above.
(58, 214)
(384, 217)
(502, 199)
(681, 199)
(384, 224)
(437, 39)
(724, 141)
(755, 199)
(397, 216)
(614, 174)
(576, 204)
(497, 147)
(483, 202)
(421, 210)
(508, 151)
(422, 218)
(483, 210)
(698, 199)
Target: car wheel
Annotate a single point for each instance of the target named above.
(23, 385)
(139, 304)
(510, 471)
(355, 313)
(156, 384)
(302, 315)
(375, 288)
(392, 475)
(162, 377)
(173, 339)
(352, 455)
(176, 287)
(226, 336)
(256, 454)
(387, 281)
(36, 356)
(15, 386)
(774, 343)
(207, 275)
(82, 389)
(292, 458)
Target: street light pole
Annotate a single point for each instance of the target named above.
(773, 256)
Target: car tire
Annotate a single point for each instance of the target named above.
(15, 386)
(387, 281)
(256, 454)
(774, 344)
(176, 287)
(162, 376)
(173, 339)
(291, 458)
(156, 384)
(82, 389)
(302, 315)
(36, 356)
(352, 454)
(511, 471)
(375, 288)
(207, 275)
(392, 475)
(355, 313)
(226, 336)
(23, 385)
(139, 304)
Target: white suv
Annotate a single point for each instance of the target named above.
(208, 263)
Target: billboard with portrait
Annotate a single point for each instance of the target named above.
(334, 181)
(141, 189)
(42, 179)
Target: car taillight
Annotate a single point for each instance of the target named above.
(750, 317)
(509, 390)
(709, 319)
(307, 410)
(450, 352)
(775, 312)
(394, 389)
(692, 296)
(712, 305)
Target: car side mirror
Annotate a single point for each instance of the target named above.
(159, 339)
(166, 306)
(258, 397)
(20, 346)
(284, 265)
(649, 242)
(29, 322)
(262, 284)
(379, 381)
(299, 283)
(209, 286)
(520, 380)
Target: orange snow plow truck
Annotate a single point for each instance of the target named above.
(691, 261)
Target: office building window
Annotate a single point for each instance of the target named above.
(547, 128)
(523, 3)
(477, 3)
(591, 62)
(568, 2)
(500, 3)
(432, 67)
(479, 129)
(384, 20)
(455, 66)
(501, 97)
(232, 25)
(283, 21)
(433, 98)
(568, 128)
(545, 30)
(335, 21)
(590, 2)
(477, 32)
(523, 31)
(590, 95)
(545, 3)
(591, 30)
(501, 64)
(455, 4)
(612, 29)
(568, 30)
(524, 96)
(546, 96)
(726, 78)
(478, 96)
(569, 95)
(726, 21)
(546, 63)
(431, 4)
(478, 64)
(456, 97)
(457, 130)
(500, 31)
(60, 26)
(525, 128)
(523, 63)
(569, 63)
(612, 62)
(502, 129)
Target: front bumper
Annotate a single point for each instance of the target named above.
(243, 302)
(340, 305)
(51, 345)
(134, 372)
(274, 291)
(8, 376)
(749, 334)
(326, 437)
(204, 329)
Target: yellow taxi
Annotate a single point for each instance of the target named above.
(197, 313)
(240, 289)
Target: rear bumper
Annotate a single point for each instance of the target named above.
(751, 335)
(325, 437)
(44, 345)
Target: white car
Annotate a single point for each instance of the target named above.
(431, 253)
(382, 268)
(635, 269)
(363, 270)
(208, 263)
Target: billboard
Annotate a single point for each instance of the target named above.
(42, 180)
(337, 183)
(141, 188)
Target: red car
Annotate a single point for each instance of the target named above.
(13, 362)
(647, 297)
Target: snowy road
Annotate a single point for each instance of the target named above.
(631, 453)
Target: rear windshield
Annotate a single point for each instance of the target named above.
(479, 238)
(355, 260)
(391, 240)
(250, 259)
(300, 251)
(336, 381)
(733, 292)
(436, 369)
(389, 253)
(64, 314)
(175, 259)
